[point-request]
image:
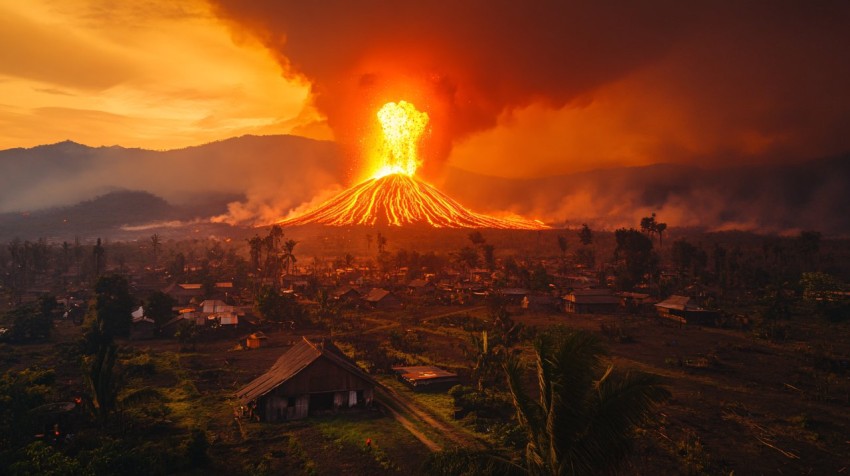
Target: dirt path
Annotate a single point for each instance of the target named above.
(452, 313)
(390, 398)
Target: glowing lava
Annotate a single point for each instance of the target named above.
(393, 196)
(402, 125)
(399, 199)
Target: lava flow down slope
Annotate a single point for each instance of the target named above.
(399, 199)
(393, 196)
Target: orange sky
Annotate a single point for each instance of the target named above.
(512, 89)
(154, 74)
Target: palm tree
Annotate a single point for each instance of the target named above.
(288, 256)
(581, 424)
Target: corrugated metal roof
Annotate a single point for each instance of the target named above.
(293, 361)
(679, 303)
(376, 294)
(422, 372)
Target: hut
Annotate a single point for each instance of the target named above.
(256, 340)
(591, 301)
(420, 287)
(309, 378)
(683, 309)
(379, 298)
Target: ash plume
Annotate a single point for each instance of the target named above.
(700, 82)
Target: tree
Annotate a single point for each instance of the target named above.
(368, 242)
(288, 255)
(33, 321)
(381, 242)
(109, 312)
(104, 378)
(467, 258)
(633, 256)
(585, 235)
(584, 418)
(278, 307)
(476, 238)
(650, 225)
(563, 244)
(98, 254)
(255, 246)
(160, 308)
(155, 243)
(489, 253)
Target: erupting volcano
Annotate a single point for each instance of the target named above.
(393, 196)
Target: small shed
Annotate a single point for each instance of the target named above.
(256, 340)
(426, 378)
(309, 378)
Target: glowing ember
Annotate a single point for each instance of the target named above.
(393, 196)
(402, 125)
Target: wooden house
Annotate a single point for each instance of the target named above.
(514, 295)
(591, 301)
(379, 298)
(346, 295)
(540, 303)
(309, 378)
(683, 309)
(184, 293)
(420, 287)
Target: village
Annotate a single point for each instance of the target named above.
(266, 360)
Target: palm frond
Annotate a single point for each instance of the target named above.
(619, 406)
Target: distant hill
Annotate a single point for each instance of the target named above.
(109, 215)
(67, 173)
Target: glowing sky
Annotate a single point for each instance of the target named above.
(557, 87)
(151, 74)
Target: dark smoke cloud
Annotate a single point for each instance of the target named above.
(755, 81)
(760, 198)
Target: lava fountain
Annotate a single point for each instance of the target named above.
(393, 195)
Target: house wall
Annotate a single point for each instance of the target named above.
(291, 400)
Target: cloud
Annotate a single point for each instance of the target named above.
(627, 83)
(171, 73)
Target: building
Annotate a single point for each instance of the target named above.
(346, 295)
(540, 303)
(420, 287)
(256, 340)
(683, 309)
(184, 293)
(379, 298)
(426, 378)
(591, 301)
(636, 302)
(309, 378)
